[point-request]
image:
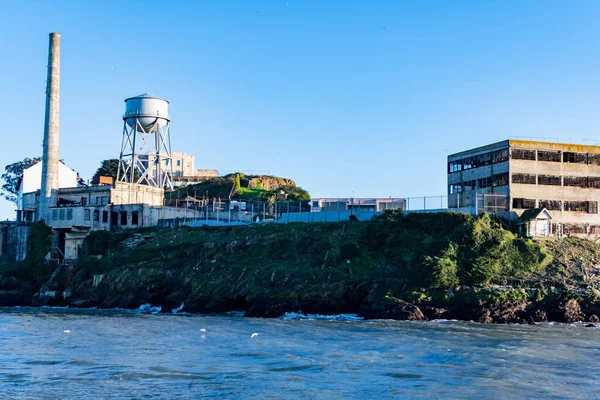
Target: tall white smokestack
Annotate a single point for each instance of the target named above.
(48, 195)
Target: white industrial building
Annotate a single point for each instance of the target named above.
(30, 184)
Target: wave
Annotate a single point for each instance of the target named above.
(319, 317)
(176, 310)
(149, 309)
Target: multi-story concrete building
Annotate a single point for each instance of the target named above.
(512, 176)
(120, 206)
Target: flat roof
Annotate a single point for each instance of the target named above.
(574, 147)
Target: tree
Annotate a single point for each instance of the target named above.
(12, 177)
(107, 168)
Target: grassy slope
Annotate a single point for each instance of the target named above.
(329, 262)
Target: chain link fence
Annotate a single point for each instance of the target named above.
(197, 212)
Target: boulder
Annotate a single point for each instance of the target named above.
(572, 312)
(593, 318)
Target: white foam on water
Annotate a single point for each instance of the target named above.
(175, 311)
(319, 317)
(149, 309)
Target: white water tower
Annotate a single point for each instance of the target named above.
(146, 147)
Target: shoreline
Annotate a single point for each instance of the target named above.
(414, 267)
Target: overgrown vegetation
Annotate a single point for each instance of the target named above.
(241, 187)
(437, 250)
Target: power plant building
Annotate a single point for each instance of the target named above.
(521, 175)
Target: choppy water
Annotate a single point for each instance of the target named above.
(60, 354)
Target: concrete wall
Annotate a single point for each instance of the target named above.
(14, 241)
(131, 193)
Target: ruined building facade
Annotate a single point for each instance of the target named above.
(520, 175)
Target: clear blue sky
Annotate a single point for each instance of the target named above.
(346, 98)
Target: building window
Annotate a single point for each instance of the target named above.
(593, 159)
(469, 185)
(500, 179)
(528, 179)
(179, 163)
(484, 182)
(574, 228)
(592, 207)
(552, 205)
(96, 215)
(62, 214)
(523, 203)
(69, 214)
(114, 218)
(553, 156)
(455, 188)
(104, 200)
(577, 206)
(134, 218)
(500, 155)
(594, 182)
(86, 214)
(104, 217)
(54, 214)
(579, 158)
(454, 166)
(522, 154)
(84, 201)
(123, 217)
(98, 200)
(577, 181)
(550, 180)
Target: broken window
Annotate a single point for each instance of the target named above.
(570, 157)
(551, 180)
(500, 155)
(577, 206)
(594, 182)
(500, 179)
(134, 217)
(114, 218)
(554, 156)
(522, 154)
(123, 217)
(574, 228)
(594, 159)
(104, 216)
(577, 181)
(528, 179)
(86, 214)
(484, 182)
(470, 185)
(523, 203)
(552, 205)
